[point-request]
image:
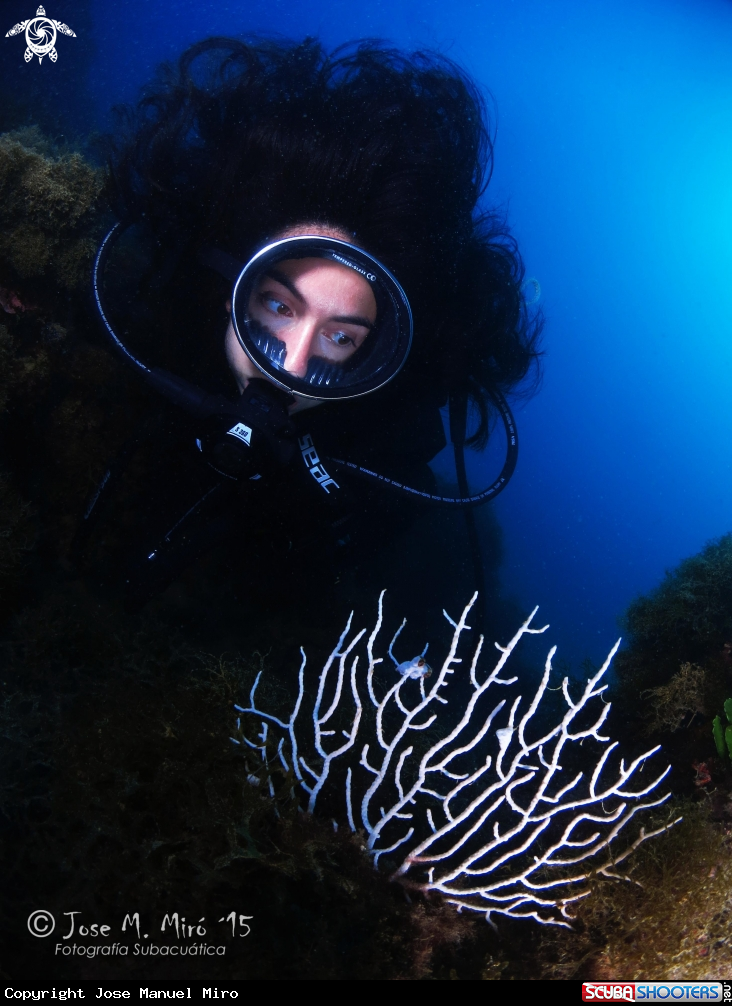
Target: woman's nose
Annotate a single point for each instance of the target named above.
(299, 347)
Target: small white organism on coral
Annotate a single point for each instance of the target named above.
(417, 667)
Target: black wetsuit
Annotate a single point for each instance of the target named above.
(294, 527)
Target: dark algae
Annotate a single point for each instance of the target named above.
(678, 662)
(687, 618)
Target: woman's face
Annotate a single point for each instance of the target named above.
(316, 307)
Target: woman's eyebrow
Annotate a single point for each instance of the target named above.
(353, 319)
(286, 282)
(342, 319)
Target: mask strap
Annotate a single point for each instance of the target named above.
(221, 262)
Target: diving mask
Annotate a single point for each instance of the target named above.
(319, 317)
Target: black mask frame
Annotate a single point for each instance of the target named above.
(382, 354)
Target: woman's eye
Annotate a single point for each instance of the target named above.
(276, 306)
(341, 339)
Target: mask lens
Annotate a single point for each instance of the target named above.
(322, 318)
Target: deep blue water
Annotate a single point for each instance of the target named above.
(614, 166)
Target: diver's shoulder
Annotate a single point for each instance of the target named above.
(390, 426)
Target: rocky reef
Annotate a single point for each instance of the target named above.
(49, 221)
(687, 618)
(676, 670)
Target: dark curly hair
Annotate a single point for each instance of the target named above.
(242, 139)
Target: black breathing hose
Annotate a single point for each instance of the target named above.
(465, 499)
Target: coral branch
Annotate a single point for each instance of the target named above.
(520, 810)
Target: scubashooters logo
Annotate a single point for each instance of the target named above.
(314, 464)
(40, 35)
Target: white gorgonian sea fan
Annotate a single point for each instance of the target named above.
(504, 806)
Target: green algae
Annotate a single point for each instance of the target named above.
(718, 732)
(722, 733)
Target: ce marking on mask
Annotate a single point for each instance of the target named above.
(313, 463)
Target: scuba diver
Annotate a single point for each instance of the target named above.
(301, 275)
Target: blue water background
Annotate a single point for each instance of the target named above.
(614, 167)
